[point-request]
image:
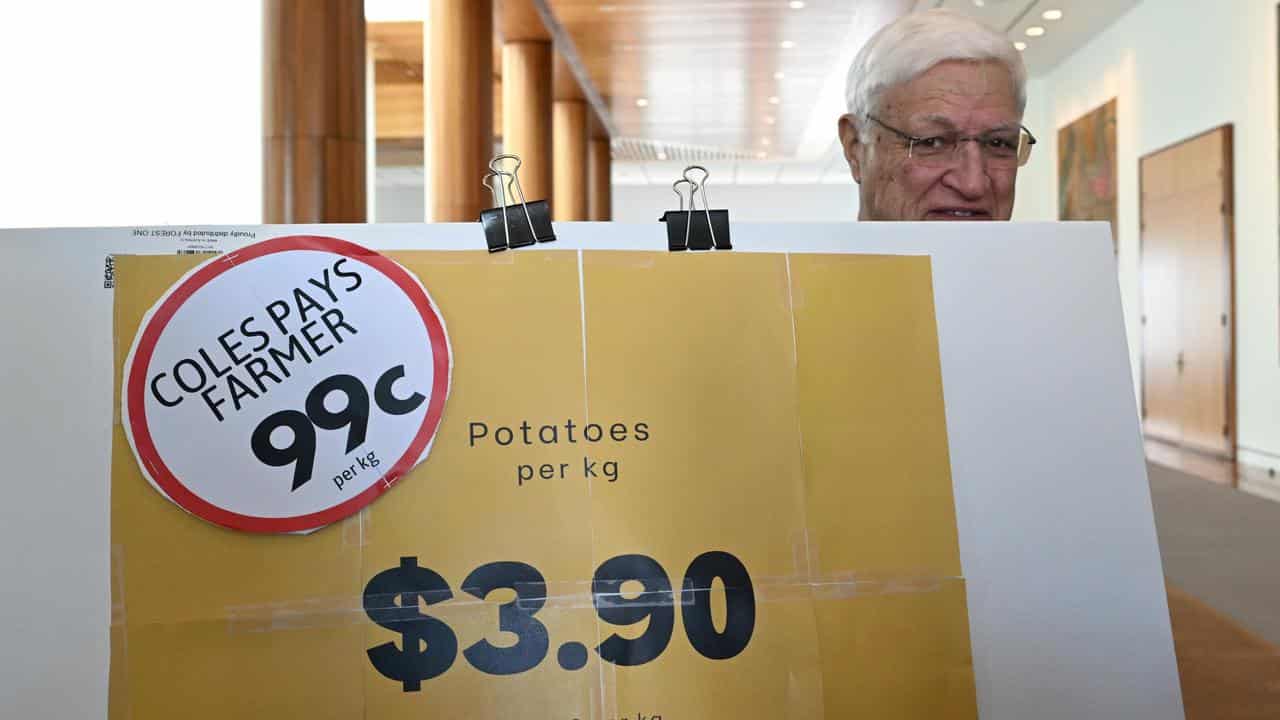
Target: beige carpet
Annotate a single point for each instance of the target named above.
(1220, 546)
(1227, 673)
(1219, 549)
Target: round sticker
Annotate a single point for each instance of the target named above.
(285, 386)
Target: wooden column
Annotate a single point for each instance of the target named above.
(459, 108)
(600, 179)
(313, 129)
(569, 186)
(526, 112)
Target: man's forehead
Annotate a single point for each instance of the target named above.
(950, 92)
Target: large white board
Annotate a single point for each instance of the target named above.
(1065, 591)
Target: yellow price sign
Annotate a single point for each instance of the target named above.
(664, 486)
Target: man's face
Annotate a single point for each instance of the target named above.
(968, 98)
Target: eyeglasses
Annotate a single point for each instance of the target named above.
(1002, 149)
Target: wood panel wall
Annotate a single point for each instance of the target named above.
(313, 132)
(599, 179)
(460, 95)
(526, 118)
(569, 188)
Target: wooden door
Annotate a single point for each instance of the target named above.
(1161, 246)
(1188, 335)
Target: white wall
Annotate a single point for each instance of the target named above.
(145, 112)
(1180, 67)
(746, 203)
(399, 203)
(1035, 200)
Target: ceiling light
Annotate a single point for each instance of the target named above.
(662, 155)
(1020, 46)
(774, 100)
(786, 44)
(779, 75)
(1052, 15)
(1035, 31)
(770, 120)
(764, 141)
(642, 102)
(796, 4)
(980, 3)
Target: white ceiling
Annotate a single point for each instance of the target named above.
(830, 168)
(1081, 20)
(818, 159)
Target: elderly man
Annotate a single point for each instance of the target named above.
(934, 129)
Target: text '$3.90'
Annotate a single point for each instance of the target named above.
(429, 647)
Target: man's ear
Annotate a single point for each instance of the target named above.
(849, 140)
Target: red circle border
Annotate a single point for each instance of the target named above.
(159, 318)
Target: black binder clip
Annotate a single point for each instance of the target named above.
(688, 229)
(503, 229)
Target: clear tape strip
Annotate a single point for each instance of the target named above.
(562, 596)
(355, 529)
(118, 616)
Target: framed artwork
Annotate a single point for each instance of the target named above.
(1087, 168)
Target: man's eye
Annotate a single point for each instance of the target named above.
(1001, 143)
(932, 143)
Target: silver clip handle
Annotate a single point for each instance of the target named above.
(514, 175)
(675, 188)
(697, 186)
(499, 200)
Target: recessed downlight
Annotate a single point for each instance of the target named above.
(1051, 14)
(786, 44)
(662, 155)
(1019, 46)
(642, 102)
(779, 75)
(774, 100)
(796, 4)
(1035, 31)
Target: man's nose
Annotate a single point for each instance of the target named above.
(968, 176)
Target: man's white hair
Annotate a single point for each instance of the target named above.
(909, 46)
